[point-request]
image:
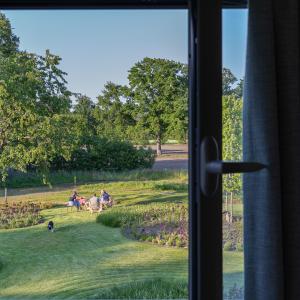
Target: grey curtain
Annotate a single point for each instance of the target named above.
(272, 136)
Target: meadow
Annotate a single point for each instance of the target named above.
(85, 259)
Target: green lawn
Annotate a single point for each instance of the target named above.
(84, 259)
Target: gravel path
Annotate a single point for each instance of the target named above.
(173, 157)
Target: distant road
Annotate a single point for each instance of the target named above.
(173, 157)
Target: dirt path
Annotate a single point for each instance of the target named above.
(173, 157)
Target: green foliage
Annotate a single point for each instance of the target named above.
(106, 154)
(238, 91)
(8, 41)
(33, 99)
(84, 125)
(113, 112)
(232, 139)
(233, 237)
(156, 288)
(240, 247)
(159, 92)
(157, 223)
(227, 246)
(228, 80)
(180, 187)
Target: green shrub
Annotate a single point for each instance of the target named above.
(121, 216)
(178, 187)
(104, 154)
(233, 234)
(228, 246)
(146, 289)
(239, 247)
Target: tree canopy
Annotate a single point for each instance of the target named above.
(33, 100)
(159, 89)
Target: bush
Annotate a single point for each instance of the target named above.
(146, 289)
(105, 154)
(228, 246)
(178, 187)
(239, 247)
(233, 235)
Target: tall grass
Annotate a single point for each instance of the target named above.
(147, 289)
(33, 179)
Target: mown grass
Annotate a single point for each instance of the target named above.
(87, 260)
(80, 259)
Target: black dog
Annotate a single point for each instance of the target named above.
(51, 226)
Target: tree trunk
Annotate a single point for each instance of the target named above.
(231, 207)
(226, 201)
(158, 146)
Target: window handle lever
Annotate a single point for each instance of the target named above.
(211, 167)
(229, 167)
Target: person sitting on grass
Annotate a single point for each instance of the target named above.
(82, 201)
(94, 204)
(76, 203)
(105, 198)
(73, 200)
(73, 196)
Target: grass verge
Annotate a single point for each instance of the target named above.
(33, 179)
(147, 289)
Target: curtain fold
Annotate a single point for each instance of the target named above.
(272, 136)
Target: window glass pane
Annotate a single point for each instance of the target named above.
(99, 123)
(234, 46)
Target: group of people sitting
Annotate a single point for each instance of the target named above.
(93, 204)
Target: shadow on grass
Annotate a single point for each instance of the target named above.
(231, 279)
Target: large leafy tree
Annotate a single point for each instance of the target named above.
(84, 126)
(228, 80)
(158, 87)
(113, 112)
(238, 91)
(34, 102)
(9, 42)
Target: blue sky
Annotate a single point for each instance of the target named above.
(99, 46)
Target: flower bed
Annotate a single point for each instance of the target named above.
(17, 215)
(163, 224)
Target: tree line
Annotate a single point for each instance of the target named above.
(45, 126)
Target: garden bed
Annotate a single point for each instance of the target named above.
(159, 224)
(18, 215)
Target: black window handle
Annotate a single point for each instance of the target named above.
(212, 167)
(228, 167)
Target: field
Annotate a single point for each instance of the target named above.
(84, 259)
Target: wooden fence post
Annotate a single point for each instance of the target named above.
(5, 196)
(231, 208)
